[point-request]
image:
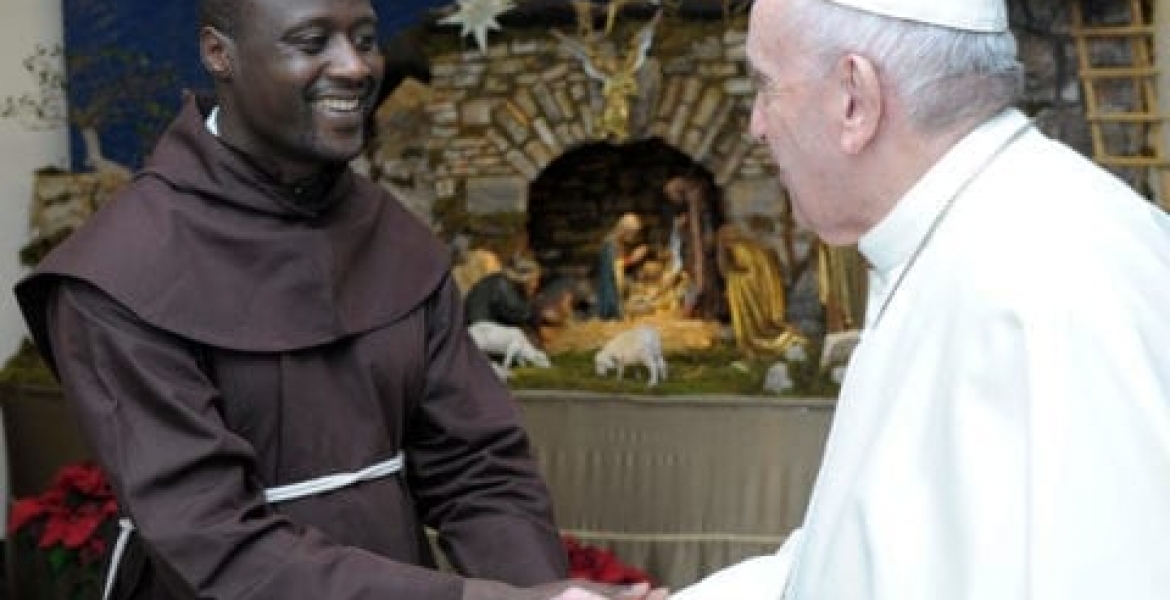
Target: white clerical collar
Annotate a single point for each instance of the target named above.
(891, 243)
(212, 121)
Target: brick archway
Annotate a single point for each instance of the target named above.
(558, 115)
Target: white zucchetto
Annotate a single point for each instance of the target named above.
(985, 16)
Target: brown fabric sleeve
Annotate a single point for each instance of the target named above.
(470, 463)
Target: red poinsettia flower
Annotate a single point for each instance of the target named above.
(72, 529)
(69, 522)
(84, 478)
(23, 512)
(598, 564)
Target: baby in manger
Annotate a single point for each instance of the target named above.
(655, 290)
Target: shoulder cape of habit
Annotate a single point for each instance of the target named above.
(201, 244)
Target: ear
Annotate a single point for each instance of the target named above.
(215, 51)
(861, 102)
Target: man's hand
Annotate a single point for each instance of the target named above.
(584, 590)
(575, 589)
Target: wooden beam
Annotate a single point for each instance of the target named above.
(1161, 20)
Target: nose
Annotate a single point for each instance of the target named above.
(756, 123)
(352, 62)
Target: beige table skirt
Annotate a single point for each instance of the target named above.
(679, 486)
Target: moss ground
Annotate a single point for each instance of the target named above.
(720, 370)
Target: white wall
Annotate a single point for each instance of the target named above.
(23, 149)
(25, 24)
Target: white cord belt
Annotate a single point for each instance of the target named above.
(275, 495)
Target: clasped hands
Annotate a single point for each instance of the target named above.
(573, 589)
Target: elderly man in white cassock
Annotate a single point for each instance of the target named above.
(1003, 431)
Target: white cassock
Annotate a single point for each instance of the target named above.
(1003, 432)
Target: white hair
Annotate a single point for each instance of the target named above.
(945, 78)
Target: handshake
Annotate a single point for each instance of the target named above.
(573, 589)
(583, 590)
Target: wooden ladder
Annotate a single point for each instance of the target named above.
(1120, 83)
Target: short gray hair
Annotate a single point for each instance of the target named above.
(945, 78)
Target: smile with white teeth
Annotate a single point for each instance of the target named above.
(339, 104)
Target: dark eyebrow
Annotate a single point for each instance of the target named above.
(368, 21)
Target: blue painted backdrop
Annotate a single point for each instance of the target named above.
(135, 56)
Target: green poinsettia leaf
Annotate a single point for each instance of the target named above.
(59, 559)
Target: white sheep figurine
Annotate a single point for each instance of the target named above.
(495, 339)
(639, 345)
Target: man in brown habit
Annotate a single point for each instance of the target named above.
(268, 355)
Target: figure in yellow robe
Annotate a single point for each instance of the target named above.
(755, 293)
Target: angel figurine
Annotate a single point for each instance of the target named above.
(618, 74)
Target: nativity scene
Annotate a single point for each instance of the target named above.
(609, 165)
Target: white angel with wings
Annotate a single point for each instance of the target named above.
(618, 74)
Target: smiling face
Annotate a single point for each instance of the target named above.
(297, 80)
